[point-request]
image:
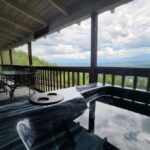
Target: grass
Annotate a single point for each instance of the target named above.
(21, 58)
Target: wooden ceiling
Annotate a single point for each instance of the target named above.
(25, 20)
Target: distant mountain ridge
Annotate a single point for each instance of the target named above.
(137, 61)
(142, 61)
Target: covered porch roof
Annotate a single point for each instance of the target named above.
(22, 21)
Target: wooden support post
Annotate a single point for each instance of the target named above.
(10, 56)
(94, 36)
(30, 53)
(2, 59)
(93, 72)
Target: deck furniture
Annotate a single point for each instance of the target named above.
(2, 86)
(15, 78)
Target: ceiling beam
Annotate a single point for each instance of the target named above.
(60, 6)
(8, 37)
(15, 23)
(5, 41)
(26, 11)
(3, 44)
(1, 47)
(10, 30)
(1, 37)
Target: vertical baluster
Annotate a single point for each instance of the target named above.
(113, 79)
(64, 79)
(45, 81)
(55, 83)
(83, 78)
(51, 81)
(123, 81)
(48, 79)
(60, 79)
(135, 82)
(68, 79)
(57, 79)
(54, 79)
(104, 79)
(72, 78)
(42, 80)
(78, 78)
(148, 84)
(36, 79)
(39, 79)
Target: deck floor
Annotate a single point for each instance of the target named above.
(21, 91)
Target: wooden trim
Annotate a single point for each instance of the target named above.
(5, 41)
(7, 36)
(15, 23)
(10, 31)
(60, 6)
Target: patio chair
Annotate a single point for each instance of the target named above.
(2, 87)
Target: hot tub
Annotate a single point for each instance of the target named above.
(100, 116)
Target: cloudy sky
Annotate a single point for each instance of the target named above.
(125, 33)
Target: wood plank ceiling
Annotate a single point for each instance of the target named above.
(25, 20)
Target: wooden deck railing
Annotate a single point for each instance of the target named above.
(53, 78)
(130, 77)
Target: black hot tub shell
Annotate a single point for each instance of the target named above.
(133, 100)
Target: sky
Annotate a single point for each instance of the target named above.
(122, 34)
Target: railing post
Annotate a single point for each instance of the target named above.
(94, 35)
(10, 56)
(2, 59)
(30, 53)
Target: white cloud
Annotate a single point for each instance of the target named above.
(111, 53)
